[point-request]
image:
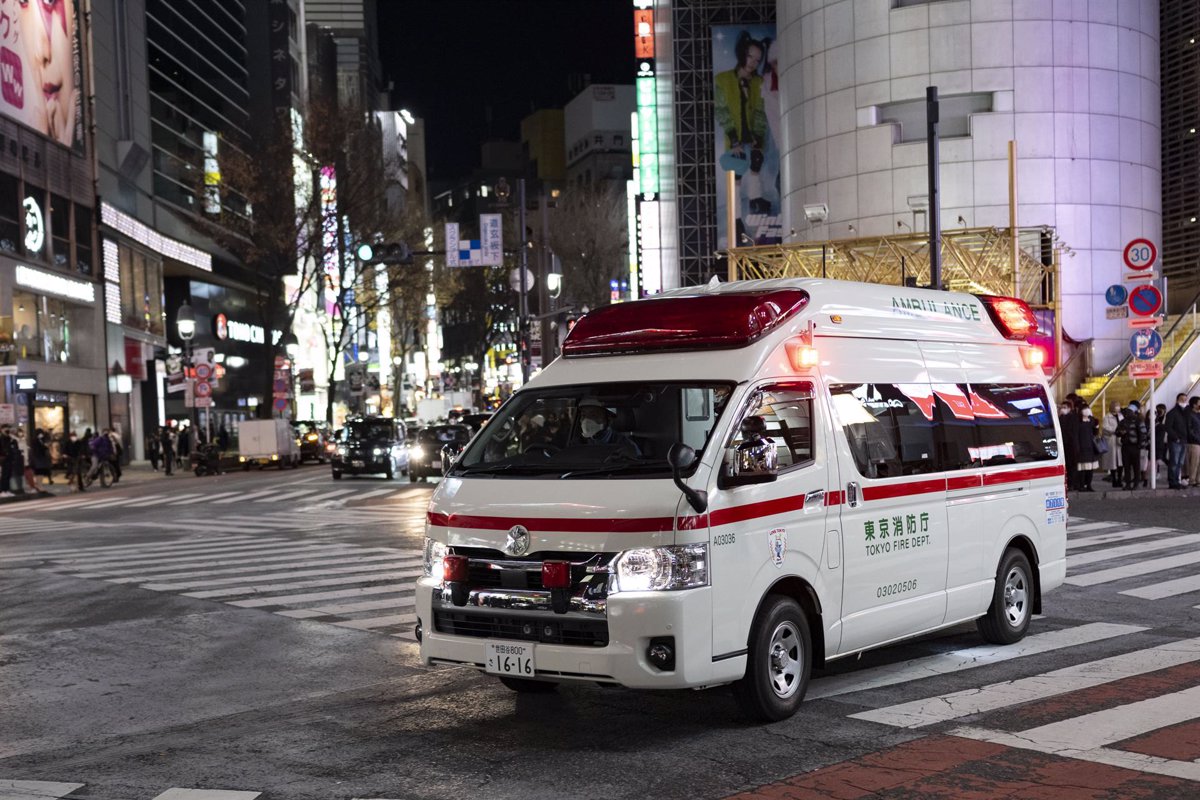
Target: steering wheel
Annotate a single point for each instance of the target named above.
(546, 450)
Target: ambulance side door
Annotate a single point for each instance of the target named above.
(893, 515)
(761, 532)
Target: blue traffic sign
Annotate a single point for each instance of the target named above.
(1145, 300)
(1145, 345)
(1116, 295)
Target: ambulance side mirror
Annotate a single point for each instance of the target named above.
(755, 460)
(680, 457)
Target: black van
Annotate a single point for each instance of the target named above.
(371, 445)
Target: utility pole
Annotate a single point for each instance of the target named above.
(935, 201)
(523, 305)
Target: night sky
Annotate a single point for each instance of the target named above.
(452, 60)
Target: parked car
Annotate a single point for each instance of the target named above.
(425, 454)
(313, 436)
(371, 445)
(475, 421)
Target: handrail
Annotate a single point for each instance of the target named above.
(1062, 368)
(1120, 368)
(1179, 351)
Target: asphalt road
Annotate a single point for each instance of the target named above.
(250, 635)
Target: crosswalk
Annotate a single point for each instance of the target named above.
(53, 790)
(1113, 694)
(312, 495)
(347, 585)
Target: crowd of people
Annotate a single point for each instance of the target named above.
(1118, 445)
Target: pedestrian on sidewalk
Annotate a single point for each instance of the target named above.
(1088, 455)
(223, 438)
(1110, 461)
(1068, 421)
(153, 450)
(39, 456)
(8, 460)
(117, 450)
(1175, 430)
(1132, 433)
(166, 441)
(1193, 448)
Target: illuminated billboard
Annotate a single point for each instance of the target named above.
(40, 74)
(746, 104)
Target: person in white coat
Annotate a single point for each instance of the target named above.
(1110, 462)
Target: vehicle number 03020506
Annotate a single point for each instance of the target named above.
(896, 588)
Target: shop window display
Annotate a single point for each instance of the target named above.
(47, 329)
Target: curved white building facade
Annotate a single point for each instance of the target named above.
(1074, 82)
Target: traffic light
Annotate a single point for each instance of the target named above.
(386, 253)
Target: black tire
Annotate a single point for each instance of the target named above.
(337, 476)
(390, 472)
(413, 477)
(778, 663)
(1007, 618)
(527, 686)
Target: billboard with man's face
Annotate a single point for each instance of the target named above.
(40, 72)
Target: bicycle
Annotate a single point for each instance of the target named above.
(87, 476)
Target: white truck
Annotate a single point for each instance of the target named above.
(267, 442)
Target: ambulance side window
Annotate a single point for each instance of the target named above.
(788, 417)
(1014, 424)
(889, 433)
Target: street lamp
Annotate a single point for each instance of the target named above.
(185, 323)
(291, 344)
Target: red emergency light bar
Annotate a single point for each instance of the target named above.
(1012, 316)
(695, 322)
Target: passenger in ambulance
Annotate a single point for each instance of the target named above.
(597, 426)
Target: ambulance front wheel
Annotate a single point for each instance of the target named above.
(778, 662)
(526, 686)
(1008, 616)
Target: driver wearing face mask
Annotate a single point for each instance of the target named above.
(596, 426)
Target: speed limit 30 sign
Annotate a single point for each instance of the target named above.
(1140, 255)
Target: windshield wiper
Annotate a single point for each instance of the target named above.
(614, 464)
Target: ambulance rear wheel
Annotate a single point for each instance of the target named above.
(778, 662)
(1008, 617)
(526, 686)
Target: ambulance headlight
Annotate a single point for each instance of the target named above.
(651, 569)
(435, 552)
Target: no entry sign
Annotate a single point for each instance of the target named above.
(1140, 254)
(1145, 300)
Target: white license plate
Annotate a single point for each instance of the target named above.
(506, 658)
(356, 463)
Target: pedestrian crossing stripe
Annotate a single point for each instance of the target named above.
(955, 705)
(51, 790)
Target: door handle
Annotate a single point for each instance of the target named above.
(852, 494)
(814, 498)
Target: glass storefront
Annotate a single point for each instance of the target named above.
(48, 329)
(141, 290)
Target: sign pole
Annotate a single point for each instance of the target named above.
(1153, 455)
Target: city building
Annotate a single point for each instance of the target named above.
(1179, 26)
(351, 24)
(53, 363)
(597, 135)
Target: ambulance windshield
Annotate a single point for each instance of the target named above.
(595, 431)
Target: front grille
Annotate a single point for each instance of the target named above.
(557, 630)
(487, 570)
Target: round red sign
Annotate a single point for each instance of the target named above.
(1145, 300)
(221, 327)
(1140, 254)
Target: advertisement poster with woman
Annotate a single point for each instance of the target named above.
(40, 73)
(746, 101)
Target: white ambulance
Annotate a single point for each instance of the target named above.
(737, 483)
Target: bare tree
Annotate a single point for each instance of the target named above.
(589, 233)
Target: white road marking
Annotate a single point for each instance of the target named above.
(1157, 591)
(285, 496)
(242, 498)
(329, 495)
(372, 493)
(182, 556)
(945, 707)
(1119, 536)
(314, 584)
(121, 501)
(168, 587)
(968, 658)
(376, 622)
(242, 570)
(156, 501)
(206, 794)
(206, 498)
(1110, 553)
(250, 561)
(309, 597)
(180, 545)
(35, 790)
(1089, 526)
(1132, 570)
(407, 601)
